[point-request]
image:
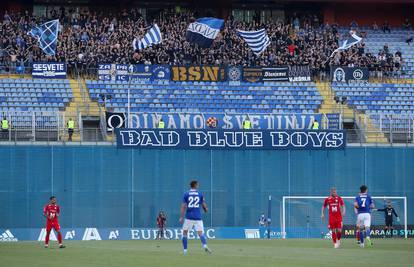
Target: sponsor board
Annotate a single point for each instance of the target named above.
(173, 233)
(7, 236)
(349, 74)
(230, 139)
(379, 231)
(252, 233)
(198, 73)
(49, 70)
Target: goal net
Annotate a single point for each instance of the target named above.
(301, 217)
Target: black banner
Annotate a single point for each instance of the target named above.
(253, 74)
(115, 120)
(349, 74)
(277, 74)
(234, 74)
(299, 74)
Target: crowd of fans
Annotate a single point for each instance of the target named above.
(88, 38)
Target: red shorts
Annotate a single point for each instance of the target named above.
(52, 224)
(335, 224)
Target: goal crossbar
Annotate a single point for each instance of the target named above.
(346, 197)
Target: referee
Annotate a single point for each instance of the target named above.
(389, 212)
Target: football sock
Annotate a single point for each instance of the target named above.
(334, 237)
(361, 236)
(358, 235)
(367, 232)
(185, 241)
(203, 240)
(339, 235)
(59, 237)
(47, 237)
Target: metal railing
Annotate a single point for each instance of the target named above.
(91, 72)
(37, 126)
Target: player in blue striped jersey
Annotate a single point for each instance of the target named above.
(363, 204)
(192, 203)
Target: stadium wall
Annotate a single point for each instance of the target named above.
(102, 186)
(365, 14)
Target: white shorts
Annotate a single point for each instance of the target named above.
(364, 219)
(197, 224)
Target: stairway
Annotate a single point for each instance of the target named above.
(72, 111)
(91, 120)
(372, 134)
(330, 106)
(81, 108)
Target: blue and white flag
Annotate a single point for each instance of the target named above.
(153, 36)
(204, 30)
(47, 35)
(256, 40)
(352, 39)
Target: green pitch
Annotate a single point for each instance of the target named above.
(238, 253)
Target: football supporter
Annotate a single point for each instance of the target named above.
(89, 37)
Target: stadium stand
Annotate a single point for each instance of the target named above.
(34, 106)
(378, 98)
(89, 38)
(388, 105)
(396, 42)
(98, 37)
(209, 97)
(386, 45)
(34, 94)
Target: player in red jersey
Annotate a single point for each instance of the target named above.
(51, 211)
(161, 221)
(336, 211)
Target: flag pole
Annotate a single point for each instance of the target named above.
(129, 101)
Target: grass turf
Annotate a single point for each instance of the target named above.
(239, 253)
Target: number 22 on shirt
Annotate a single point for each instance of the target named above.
(193, 202)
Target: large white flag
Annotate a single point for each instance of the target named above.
(256, 40)
(153, 36)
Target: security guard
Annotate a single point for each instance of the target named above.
(71, 127)
(247, 124)
(315, 125)
(161, 124)
(5, 128)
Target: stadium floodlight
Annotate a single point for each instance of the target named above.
(295, 208)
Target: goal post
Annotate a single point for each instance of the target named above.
(307, 209)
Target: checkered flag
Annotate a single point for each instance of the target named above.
(47, 35)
